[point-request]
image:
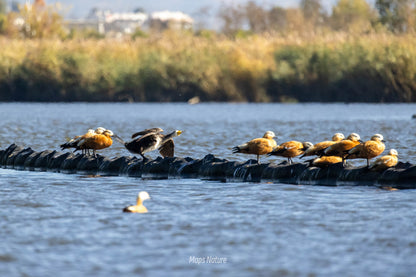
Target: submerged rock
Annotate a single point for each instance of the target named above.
(403, 176)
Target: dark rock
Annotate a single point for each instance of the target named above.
(156, 168)
(56, 161)
(403, 176)
(21, 157)
(135, 168)
(31, 159)
(117, 165)
(10, 154)
(89, 164)
(71, 162)
(43, 159)
(176, 165)
(249, 172)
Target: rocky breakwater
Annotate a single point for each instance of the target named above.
(403, 176)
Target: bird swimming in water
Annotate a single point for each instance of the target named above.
(319, 148)
(150, 140)
(342, 147)
(138, 208)
(73, 143)
(96, 141)
(258, 146)
(291, 149)
(368, 150)
(385, 161)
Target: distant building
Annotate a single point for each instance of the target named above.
(170, 20)
(107, 22)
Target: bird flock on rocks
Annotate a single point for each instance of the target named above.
(334, 151)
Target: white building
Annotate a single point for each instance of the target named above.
(170, 20)
(105, 21)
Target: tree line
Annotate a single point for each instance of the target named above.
(358, 16)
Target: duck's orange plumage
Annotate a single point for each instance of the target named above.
(97, 141)
(258, 146)
(138, 208)
(368, 150)
(73, 143)
(319, 148)
(342, 147)
(291, 149)
(326, 160)
(386, 161)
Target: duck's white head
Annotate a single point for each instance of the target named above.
(354, 137)
(108, 133)
(269, 135)
(100, 130)
(338, 137)
(307, 145)
(393, 152)
(143, 195)
(377, 137)
(91, 131)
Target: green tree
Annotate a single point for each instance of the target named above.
(313, 12)
(232, 18)
(40, 21)
(397, 15)
(3, 16)
(277, 19)
(354, 16)
(3, 6)
(256, 17)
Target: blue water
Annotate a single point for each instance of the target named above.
(55, 224)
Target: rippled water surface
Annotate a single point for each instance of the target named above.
(56, 224)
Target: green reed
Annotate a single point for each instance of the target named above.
(178, 66)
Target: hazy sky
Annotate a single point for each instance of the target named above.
(79, 8)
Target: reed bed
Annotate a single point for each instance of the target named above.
(178, 66)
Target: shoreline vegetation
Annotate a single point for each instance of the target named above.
(355, 54)
(179, 66)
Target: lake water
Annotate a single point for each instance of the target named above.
(56, 224)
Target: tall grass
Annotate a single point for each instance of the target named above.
(176, 67)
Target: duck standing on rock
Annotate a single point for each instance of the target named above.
(73, 143)
(150, 140)
(96, 142)
(258, 146)
(291, 149)
(386, 161)
(368, 150)
(138, 208)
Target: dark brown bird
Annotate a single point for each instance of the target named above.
(150, 140)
